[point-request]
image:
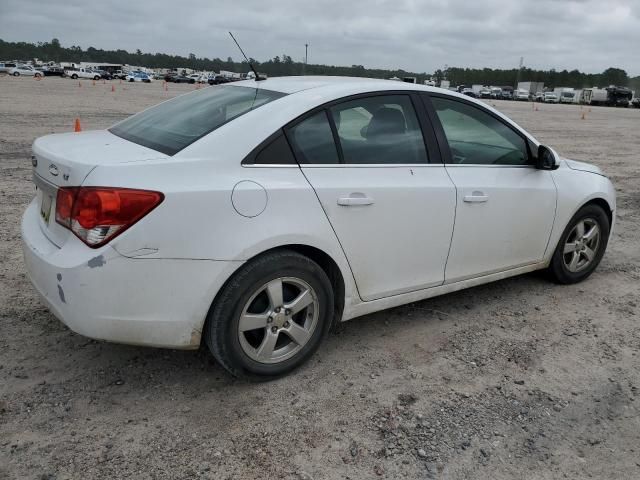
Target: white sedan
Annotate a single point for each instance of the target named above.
(25, 70)
(253, 216)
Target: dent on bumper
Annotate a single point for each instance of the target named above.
(104, 295)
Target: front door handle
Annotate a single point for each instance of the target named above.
(476, 197)
(356, 198)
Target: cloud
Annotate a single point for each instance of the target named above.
(414, 35)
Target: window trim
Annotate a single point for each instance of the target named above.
(426, 128)
(443, 143)
(249, 160)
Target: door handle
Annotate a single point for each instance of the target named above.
(355, 199)
(476, 197)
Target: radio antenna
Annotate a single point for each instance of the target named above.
(253, 69)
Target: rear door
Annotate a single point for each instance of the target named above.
(505, 206)
(392, 210)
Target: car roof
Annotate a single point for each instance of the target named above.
(296, 84)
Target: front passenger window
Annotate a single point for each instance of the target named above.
(475, 137)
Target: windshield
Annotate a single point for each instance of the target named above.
(177, 123)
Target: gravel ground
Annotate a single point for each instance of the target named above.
(520, 378)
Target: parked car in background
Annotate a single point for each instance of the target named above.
(182, 79)
(484, 93)
(25, 70)
(138, 77)
(496, 93)
(550, 97)
(120, 74)
(159, 231)
(539, 97)
(507, 94)
(521, 95)
(217, 80)
(6, 66)
(82, 72)
(469, 93)
(52, 71)
(103, 74)
(635, 102)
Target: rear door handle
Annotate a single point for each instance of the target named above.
(476, 197)
(355, 199)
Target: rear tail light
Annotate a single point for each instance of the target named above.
(96, 215)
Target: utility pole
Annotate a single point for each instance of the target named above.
(306, 50)
(518, 75)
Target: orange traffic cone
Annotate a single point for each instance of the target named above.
(113, 88)
(79, 84)
(94, 83)
(77, 127)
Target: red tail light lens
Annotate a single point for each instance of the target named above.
(98, 214)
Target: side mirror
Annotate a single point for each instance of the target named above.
(547, 158)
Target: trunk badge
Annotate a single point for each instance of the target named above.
(53, 170)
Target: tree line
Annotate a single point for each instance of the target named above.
(284, 65)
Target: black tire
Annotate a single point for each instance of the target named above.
(37, 75)
(558, 268)
(16, 74)
(222, 324)
(74, 76)
(97, 77)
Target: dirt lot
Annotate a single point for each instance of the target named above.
(520, 378)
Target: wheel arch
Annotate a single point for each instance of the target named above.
(604, 204)
(323, 259)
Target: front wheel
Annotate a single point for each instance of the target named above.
(74, 76)
(16, 74)
(581, 246)
(271, 316)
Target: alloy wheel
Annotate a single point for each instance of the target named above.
(278, 320)
(581, 246)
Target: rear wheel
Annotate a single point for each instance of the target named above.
(74, 76)
(271, 316)
(581, 246)
(16, 74)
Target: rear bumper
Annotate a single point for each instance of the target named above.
(104, 295)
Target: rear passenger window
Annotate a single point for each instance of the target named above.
(276, 153)
(379, 130)
(312, 140)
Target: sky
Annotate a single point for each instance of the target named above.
(418, 36)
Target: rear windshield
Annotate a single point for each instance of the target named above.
(177, 123)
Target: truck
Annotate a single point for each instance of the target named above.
(531, 87)
(594, 96)
(81, 72)
(564, 94)
(618, 96)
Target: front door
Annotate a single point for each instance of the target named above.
(505, 206)
(392, 211)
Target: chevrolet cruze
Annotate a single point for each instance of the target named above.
(253, 216)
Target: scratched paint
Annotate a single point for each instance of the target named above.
(61, 293)
(96, 261)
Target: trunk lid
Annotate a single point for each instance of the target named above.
(65, 160)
